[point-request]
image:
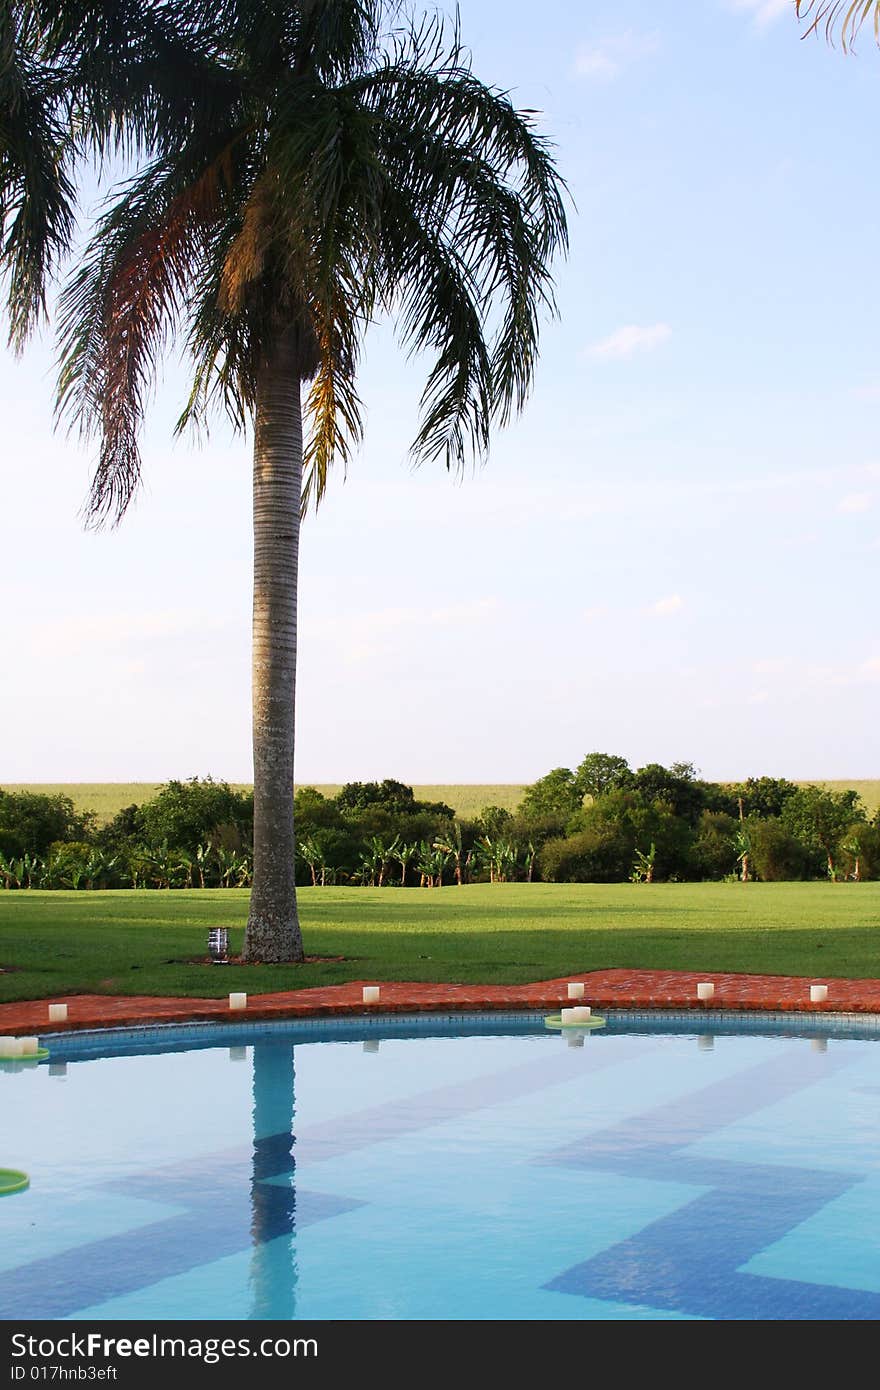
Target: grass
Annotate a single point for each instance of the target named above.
(131, 942)
(106, 798)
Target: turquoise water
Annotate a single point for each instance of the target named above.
(476, 1170)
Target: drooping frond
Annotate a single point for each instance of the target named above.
(36, 194)
(303, 169)
(842, 19)
(140, 75)
(473, 214)
(119, 308)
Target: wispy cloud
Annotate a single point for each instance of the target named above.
(855, 503)
(764, 12)
(666, 607)
(606, 59)
(630, 339)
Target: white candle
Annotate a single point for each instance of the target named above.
(371, 994)
(238, 1001)
(705, 990)
(30, 1047)
(57, 1013)
(10, 1047)
(818, 994)
(568, 1015)
(575, 991)
(580, 1013)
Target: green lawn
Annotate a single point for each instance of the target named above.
(140, 942)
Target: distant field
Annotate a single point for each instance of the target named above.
(106, 798)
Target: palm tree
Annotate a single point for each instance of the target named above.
(300, 169)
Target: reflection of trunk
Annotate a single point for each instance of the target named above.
(273, 1272)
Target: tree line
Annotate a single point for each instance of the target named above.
(602, 822)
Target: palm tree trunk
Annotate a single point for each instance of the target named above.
(273, 931)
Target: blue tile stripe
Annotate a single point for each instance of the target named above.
(689, 1261)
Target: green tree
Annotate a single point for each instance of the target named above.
(185, 814)
(776, 854)
(712, 853)
(556, 792)
(676, 785)
(820, 819)
(297, 171)
(762, 796)
(599, 773)
(32, 821)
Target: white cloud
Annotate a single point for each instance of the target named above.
(764, 12)
(606, 59)
(854, 503)
(629, 339)
(665, 607)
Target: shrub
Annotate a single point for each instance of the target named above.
(777, 854)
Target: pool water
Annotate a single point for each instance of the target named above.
(447, 1169)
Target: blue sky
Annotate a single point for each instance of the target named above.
(671, 555)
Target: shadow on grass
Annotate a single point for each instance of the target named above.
(125, 960)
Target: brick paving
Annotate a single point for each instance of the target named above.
(610, 989)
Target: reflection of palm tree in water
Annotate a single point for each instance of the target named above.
(273, 1274)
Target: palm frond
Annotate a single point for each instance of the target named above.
(37, 197)
(118, 310)
(839, 18)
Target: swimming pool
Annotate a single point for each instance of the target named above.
(450, 1168)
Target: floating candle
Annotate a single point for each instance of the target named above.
(29, 1046)
(580, 1013)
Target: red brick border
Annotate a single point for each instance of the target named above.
(620, 989)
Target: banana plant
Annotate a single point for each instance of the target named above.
(9, 872)
(402, 855)
(643, 868)
(742, 844)
(308, 850)
(450, 844)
